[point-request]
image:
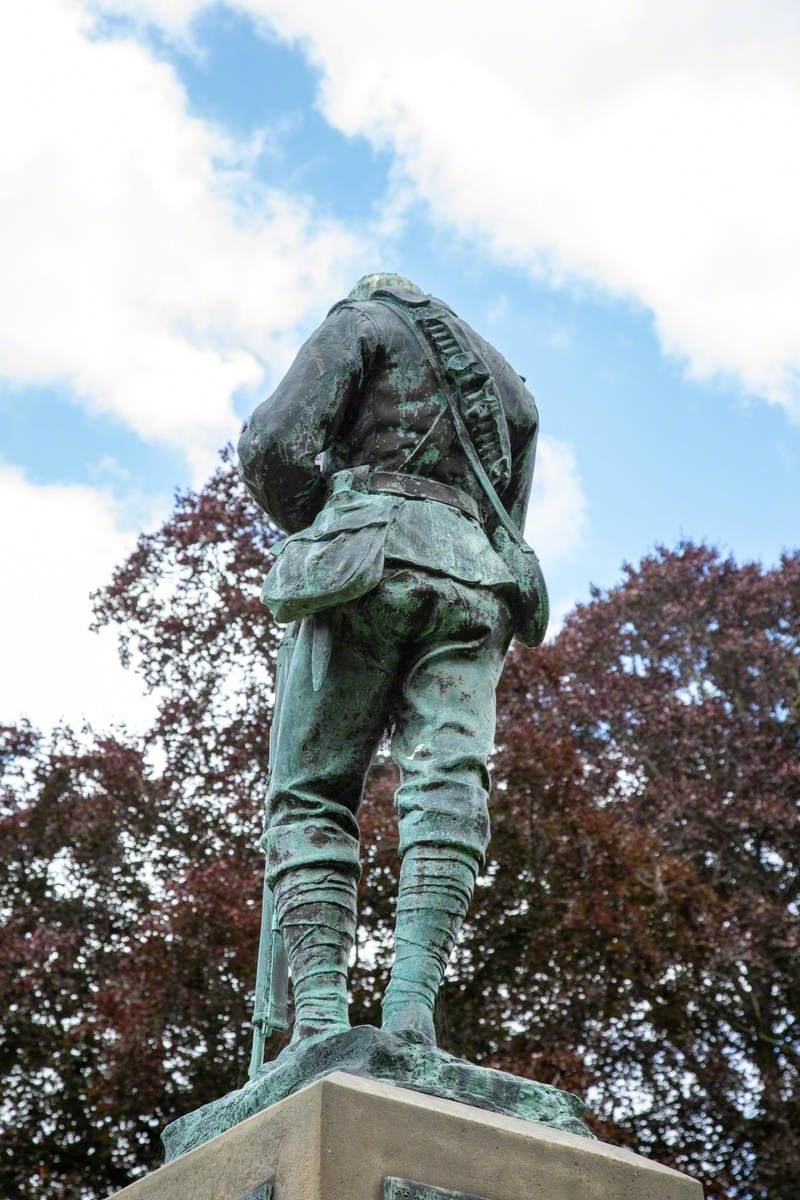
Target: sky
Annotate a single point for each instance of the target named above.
(609, 193)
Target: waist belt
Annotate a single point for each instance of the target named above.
(415, 487)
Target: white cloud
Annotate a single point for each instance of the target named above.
(647, 149)
(57, 544)
(142, 266)
(556, 523)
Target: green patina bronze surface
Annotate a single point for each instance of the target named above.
(408, 1189)
(260, 1193)
(398, 454)
(391, 1058)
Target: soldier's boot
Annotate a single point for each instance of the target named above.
(436, 886)
(316, 909)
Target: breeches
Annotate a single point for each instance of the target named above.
(419, 656)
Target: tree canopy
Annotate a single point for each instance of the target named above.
(634, 937)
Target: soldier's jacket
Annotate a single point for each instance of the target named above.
(362, 394)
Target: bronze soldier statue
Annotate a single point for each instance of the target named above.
(398, 455)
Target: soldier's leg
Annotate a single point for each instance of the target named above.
(323, 745)
(442, 740)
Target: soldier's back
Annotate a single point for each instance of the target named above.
(400, 402)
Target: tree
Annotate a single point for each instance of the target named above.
(657, 776)
(634, 936)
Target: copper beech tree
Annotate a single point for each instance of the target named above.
(639, 943)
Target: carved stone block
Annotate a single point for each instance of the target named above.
(347, 1138)
(407, 1189)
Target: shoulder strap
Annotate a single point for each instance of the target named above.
(462, 433)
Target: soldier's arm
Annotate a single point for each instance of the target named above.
(518, 493)
(280, 444)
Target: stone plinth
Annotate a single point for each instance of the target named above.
(343, 1137)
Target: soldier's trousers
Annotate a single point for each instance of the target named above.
(419, 656)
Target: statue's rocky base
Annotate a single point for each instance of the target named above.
(371, 1053)
(349, 1138)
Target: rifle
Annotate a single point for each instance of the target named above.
(270, 1010)
(271, 1006)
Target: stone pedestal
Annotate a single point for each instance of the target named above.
(348, 1138)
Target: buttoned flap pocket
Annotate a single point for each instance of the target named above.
(311, 574)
